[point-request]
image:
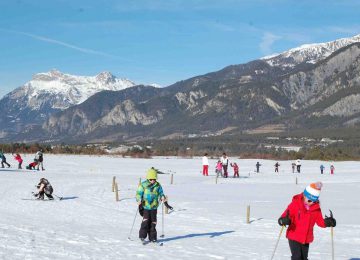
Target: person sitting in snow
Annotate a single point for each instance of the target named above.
(148, 195)
(18, 158)
(44, 187)
(32, 165)
(236, 169)
(3, 160)
(300, 216)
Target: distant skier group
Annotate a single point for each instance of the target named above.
(34, 165)
(221, 167)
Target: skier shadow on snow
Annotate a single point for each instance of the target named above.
(211, 235)
(354, 259)
(251, 221)
(69, 198)
(127, 199)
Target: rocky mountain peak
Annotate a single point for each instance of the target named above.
(105, 77)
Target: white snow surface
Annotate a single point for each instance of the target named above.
(209, 221)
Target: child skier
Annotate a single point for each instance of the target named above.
(18, 158)
(236, 169)
(44, 187)
(218, 169)
(322, 167)
(205, 163)
(332, 169)
(3, 160)
(301, 215)
(147, 196)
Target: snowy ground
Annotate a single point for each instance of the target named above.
(209, 221)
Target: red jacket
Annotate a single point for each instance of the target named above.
(18, 158)
(303, 220)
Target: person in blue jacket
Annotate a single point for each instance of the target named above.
(322, 167)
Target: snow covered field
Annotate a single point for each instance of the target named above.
(209, 221)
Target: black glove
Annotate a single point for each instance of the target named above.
(141, 210)
(330, 222)
(168, 206)
(285, 221)
(35, 194)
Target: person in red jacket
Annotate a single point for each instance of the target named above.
(18, 158)
(301, 215)
(236, 169)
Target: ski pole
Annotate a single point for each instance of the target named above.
(162, 218)
(60, 198)
(132, 227)
(277, 242)
(332, 238)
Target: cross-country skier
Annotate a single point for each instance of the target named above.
(3, 160)
(301, 215)
(39, 158)
(148, 195)
(277, 164)
(332, 169)
(205, 163)
(298, 165)
(322, 167)
(18, 158)
(236, 169)
(44, 187)
(257, 167)
(225, 162)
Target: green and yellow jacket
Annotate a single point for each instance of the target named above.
(149, 194)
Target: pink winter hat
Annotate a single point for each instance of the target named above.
(312, 191)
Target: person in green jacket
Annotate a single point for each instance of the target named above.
(148, 195)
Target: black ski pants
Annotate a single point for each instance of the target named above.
(298, 251)
(148, 225)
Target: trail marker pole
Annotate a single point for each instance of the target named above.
(248, 214)
(116, 192)
(113, 184)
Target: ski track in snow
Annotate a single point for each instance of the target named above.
(208, 221)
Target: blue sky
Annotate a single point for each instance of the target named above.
(158, 41)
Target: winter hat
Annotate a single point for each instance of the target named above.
(312, 191)
(151, 174)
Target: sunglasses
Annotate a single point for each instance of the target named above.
(152, 180)
(311, 201)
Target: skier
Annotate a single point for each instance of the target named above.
(298, 165)
(39, 157)
(236, 169)
(332, 169)
(205, 163)
(293, 167)
(3, 160)
(44, 187)
(225, 163)
(18, 158)
(218, 169)
(301, 215)
(277, 164)
(148, 195)
(322, 167)
(257, 167)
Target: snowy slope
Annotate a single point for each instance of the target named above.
(208, 221)
(309, 53)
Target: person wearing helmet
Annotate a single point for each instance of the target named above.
(44, 187)
(148, 195)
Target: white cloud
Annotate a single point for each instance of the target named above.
(67, 45)
(267, 41)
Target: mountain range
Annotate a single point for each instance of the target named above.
(311, 86)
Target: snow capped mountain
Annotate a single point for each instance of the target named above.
(309, 53)
(68, 90)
